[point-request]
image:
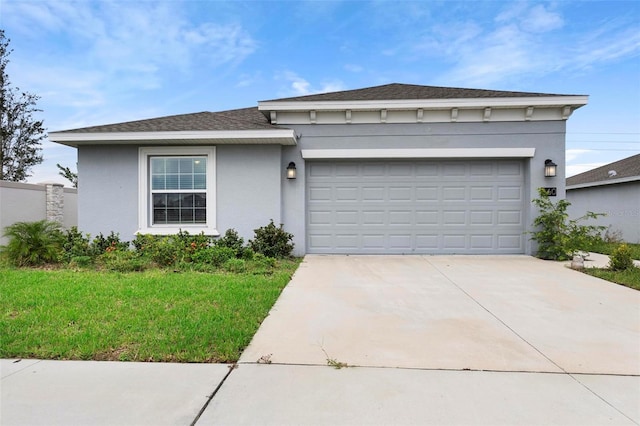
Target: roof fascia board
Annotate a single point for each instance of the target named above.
(78, 137)
(549, 101)
(603, 182)
(325, 154)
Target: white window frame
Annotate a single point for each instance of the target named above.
(145, 224)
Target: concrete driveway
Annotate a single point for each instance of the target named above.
(506, 313)
(440, 340)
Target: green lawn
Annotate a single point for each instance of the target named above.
(629, 278)
(149, 316)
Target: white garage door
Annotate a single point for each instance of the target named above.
(434, 206)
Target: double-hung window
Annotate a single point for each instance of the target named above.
(177, 190)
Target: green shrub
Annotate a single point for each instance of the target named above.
(122, 261)
(215, 256)
(33, 243)
(170, 250)
(232, 240)
(620, 259)
(81, 261)
(558, 237)
(75, 244)
(272, 241)
(235, 266)
(102, 244)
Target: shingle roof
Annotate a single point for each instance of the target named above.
(396, 91)
(238, 119)
(627, 167)
(253, 119)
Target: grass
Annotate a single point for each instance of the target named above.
(607, 248)
(629, 278)
(150, 316)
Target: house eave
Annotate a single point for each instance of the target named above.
(410, 104)
(218, 137)
(604, 182)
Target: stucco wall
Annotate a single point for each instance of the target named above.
(248, 187)
(108, 190)
(251, 183)
(247, 181)
(24, 202)
(621, 203)
(547, 137)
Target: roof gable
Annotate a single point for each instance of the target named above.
(626, 168)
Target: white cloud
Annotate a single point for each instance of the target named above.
(540, 19)
(575, 169)
(572, 154)
(298, 86)
(524, 41)
(353, 68)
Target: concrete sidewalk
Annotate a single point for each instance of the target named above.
(446, 340)
(35, 392)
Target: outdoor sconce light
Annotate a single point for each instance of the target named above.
(549, 168)
(291, 170)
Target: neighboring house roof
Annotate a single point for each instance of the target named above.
(625, 170)
(237, 119)
(396, 91)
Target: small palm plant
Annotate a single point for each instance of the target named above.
(33, 243)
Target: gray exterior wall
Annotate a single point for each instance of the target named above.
(108, 190)
(247, 197)
(547, 137)
(251, 183)
(248, 187)
(620, 202)
(25, 202)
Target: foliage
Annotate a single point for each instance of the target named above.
(620, 259)
(559, 237)
(604, 247)
(215, 256)
(20, 133)
(170, 250)
(66, 173)
(628, 278)
(33, 243)
(75, 244)
(272, 241)
(232, 240)
(236, 266)
(152, 315)
(122, 261)
(102, 244)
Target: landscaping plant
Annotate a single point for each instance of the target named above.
(559, 237)
(33, 243)
(272, 241)
(620, 259)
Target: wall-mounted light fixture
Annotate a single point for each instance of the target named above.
(549, 168)
(291, 170)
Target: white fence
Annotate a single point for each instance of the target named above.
(25, 202)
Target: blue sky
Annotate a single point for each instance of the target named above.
(100, 62)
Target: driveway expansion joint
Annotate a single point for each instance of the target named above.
(215, 391)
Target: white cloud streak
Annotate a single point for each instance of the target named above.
(524, 41)
(298, 86)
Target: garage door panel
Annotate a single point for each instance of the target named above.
(415, 207)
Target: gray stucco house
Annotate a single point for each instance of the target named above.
(396, 169)
(613, 189)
